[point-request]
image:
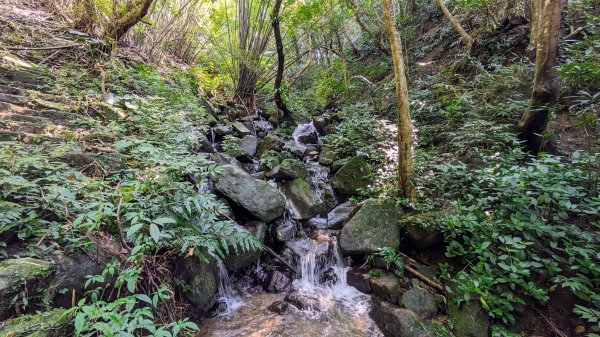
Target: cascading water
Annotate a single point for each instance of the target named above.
(228, 296)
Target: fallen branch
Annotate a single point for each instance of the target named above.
(44, 48)
(281, 259)
(552, 325)
(425, 279)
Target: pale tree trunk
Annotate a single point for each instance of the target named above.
(467, 39)
(545, 84)
(536, 14)
(405, 167)
(132, 14)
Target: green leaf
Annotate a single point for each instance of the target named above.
(154, 232)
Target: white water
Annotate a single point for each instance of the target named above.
(227, 293)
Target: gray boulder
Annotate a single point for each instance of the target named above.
(420, 301)
(248, 144)
(421, 230)
(374, 226)
(296, 149)
(396, 322)
(18, 275)
(358, 278)
(304, 201)
(386, 287)
(200, 283)
(352, 176)
(259, 198)
(240, 129)
(468, 319)
(270, 143)
(338, 217)
(327, 156)
(306, 134)
(291, 169)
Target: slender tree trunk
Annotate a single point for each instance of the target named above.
(545, 84)
(536, 14)
(405, 168)
(366, 29)
(467, 39)
(280, 60)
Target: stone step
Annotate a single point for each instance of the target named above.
(27, 138)
(28, 127)
(56, 116)
(15, 99)
(7, 89)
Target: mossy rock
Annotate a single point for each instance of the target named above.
(468, 319)
(269, 143)
(328, 156)
(18, 274)
(260, 199)
(305, 202)
(199, 283)
(95, 164)
(354, 175)
(291, 169)
(54, 323)
(376, 225)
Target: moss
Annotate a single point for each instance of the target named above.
(15, 274)
(352, 176)
(55, 323)
(468, 319)
(304, 201)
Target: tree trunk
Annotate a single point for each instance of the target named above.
(405, 168)
(366, 29)
(536, 14)
(545, 84)
(280, 60)
(132, 15)
(467, 39)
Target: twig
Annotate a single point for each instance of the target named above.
(278, 257)
(425, 279)
(552, 325)
(44, 48)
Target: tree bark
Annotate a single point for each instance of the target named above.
(405, 167)
(545, 84)
(132, 15)
(536, 14)
(280, 60)
(467, 39)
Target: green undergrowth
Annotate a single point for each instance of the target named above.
(152, 201)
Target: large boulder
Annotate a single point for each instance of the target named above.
(248, 145)
(386, 287)
(18, 275)
(396, 322)
(277, 282)
(327, 156)
(295, 148)
(306, 134)
(304, 201)
(468, 319)
(259, 198)
(291, 169)
(359, 279)
(199, 283)
(374, 226)
(420, 301)
(240, 129)
(269, 143)
(354, 175)
(338, 217)
(55, 323)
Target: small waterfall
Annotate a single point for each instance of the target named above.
(227, 293)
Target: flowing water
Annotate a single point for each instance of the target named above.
(320, 303)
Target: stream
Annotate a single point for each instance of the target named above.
(319, 303)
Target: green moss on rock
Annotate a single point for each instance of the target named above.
(304, 201)
(54, 323)
(352, 176)
(16, 274)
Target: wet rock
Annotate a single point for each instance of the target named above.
(338, 164)
(468, 319)
(358, 278)
(304, 201)
(320, 123)
(16, 275)
(205, 144)
(285, 231)
(248, 146)
(259, 198)
(224, 159)
(54, 323)
(306, 134)
(374, 226)
(223, 130)
(421, 230)
(296, 149)
(242, 259)
(198, 282)
(279, 307)
(386, 287)
(269, 143)
(277, 282)
(395, 321)
(338, 217)
(301, 247)
(240, 129)
(352, 176)
(327, 156)
(305, 300)
(291, 169)
(420, 301)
